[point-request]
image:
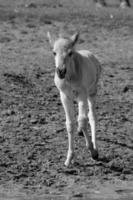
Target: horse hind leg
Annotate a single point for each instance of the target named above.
(80, 133)
(82, 119)
(83, 127)
(92, 121)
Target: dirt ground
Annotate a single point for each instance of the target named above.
(33, 139)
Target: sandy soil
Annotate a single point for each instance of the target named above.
(33, 139)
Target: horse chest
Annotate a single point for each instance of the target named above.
(65, 85)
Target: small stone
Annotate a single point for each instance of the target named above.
(34, 121)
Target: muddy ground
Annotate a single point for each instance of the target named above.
(33, 139)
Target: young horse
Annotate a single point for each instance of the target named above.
(76, 74)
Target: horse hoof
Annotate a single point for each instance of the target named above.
(94, 154)
(80, 133)
(69, 160)
(67, 163)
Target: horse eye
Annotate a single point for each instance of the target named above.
(70, 53)
(54, 53)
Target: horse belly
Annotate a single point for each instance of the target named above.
(90, 77)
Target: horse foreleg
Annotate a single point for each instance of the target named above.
(69, 111)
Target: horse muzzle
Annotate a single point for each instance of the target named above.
(61, 72)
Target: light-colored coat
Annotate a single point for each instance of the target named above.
(77, 74)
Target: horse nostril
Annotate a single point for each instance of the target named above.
(61, 72)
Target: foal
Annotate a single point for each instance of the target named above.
(76, 74)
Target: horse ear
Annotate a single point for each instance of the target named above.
(50, 39)
(74, 38)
